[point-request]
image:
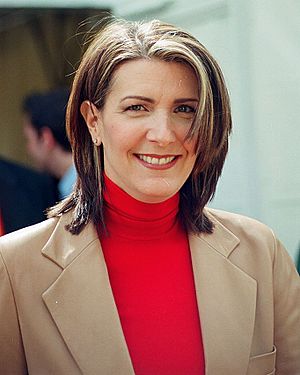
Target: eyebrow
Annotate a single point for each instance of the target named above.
(146, 99)
(183, 100)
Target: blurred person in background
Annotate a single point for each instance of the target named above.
(25, 194)
(132, 273)
(47, 142)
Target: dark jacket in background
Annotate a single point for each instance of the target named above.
(24, 195)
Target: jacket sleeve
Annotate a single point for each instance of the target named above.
(286, 313)
(12, 358)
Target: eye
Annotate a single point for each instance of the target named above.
(135, 108)
(185, 109)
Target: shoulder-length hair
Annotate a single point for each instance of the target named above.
(120, 41)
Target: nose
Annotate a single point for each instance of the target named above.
(161, 130)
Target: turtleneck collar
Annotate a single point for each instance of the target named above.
(130, 218)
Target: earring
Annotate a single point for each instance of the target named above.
(95, 141)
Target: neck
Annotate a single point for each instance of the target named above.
(127, 217)
(59, 162)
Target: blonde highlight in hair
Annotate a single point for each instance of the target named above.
(120, 41)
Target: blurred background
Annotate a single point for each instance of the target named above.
(257, 45)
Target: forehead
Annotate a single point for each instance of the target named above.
(152, 75)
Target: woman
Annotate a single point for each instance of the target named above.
(132, 274)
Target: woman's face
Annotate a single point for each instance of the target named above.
(142, 126)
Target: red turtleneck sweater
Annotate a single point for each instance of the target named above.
(149, 265)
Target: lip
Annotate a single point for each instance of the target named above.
(156, 165)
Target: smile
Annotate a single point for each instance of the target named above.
(156, 160)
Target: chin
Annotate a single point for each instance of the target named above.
(156, 195)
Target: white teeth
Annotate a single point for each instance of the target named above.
(156, 161)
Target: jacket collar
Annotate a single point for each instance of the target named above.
(63, 247)
(223, 240)
(226, 298)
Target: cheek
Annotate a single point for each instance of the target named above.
(28, 138)
(119, 137)
(115, 145)
(32, 146)
(190, 147)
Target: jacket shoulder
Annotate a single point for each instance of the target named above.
(22, 239)
(254, 236)
(240, 224)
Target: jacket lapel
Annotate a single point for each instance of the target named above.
(81, 303)
(226, 298)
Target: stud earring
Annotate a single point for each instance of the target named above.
(95, 140)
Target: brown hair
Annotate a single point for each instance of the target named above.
(120, 41)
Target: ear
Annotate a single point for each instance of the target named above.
(92, 117)
(47, 138)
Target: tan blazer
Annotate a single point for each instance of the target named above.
(58, 315)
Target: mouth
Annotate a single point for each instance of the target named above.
(157, 161)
